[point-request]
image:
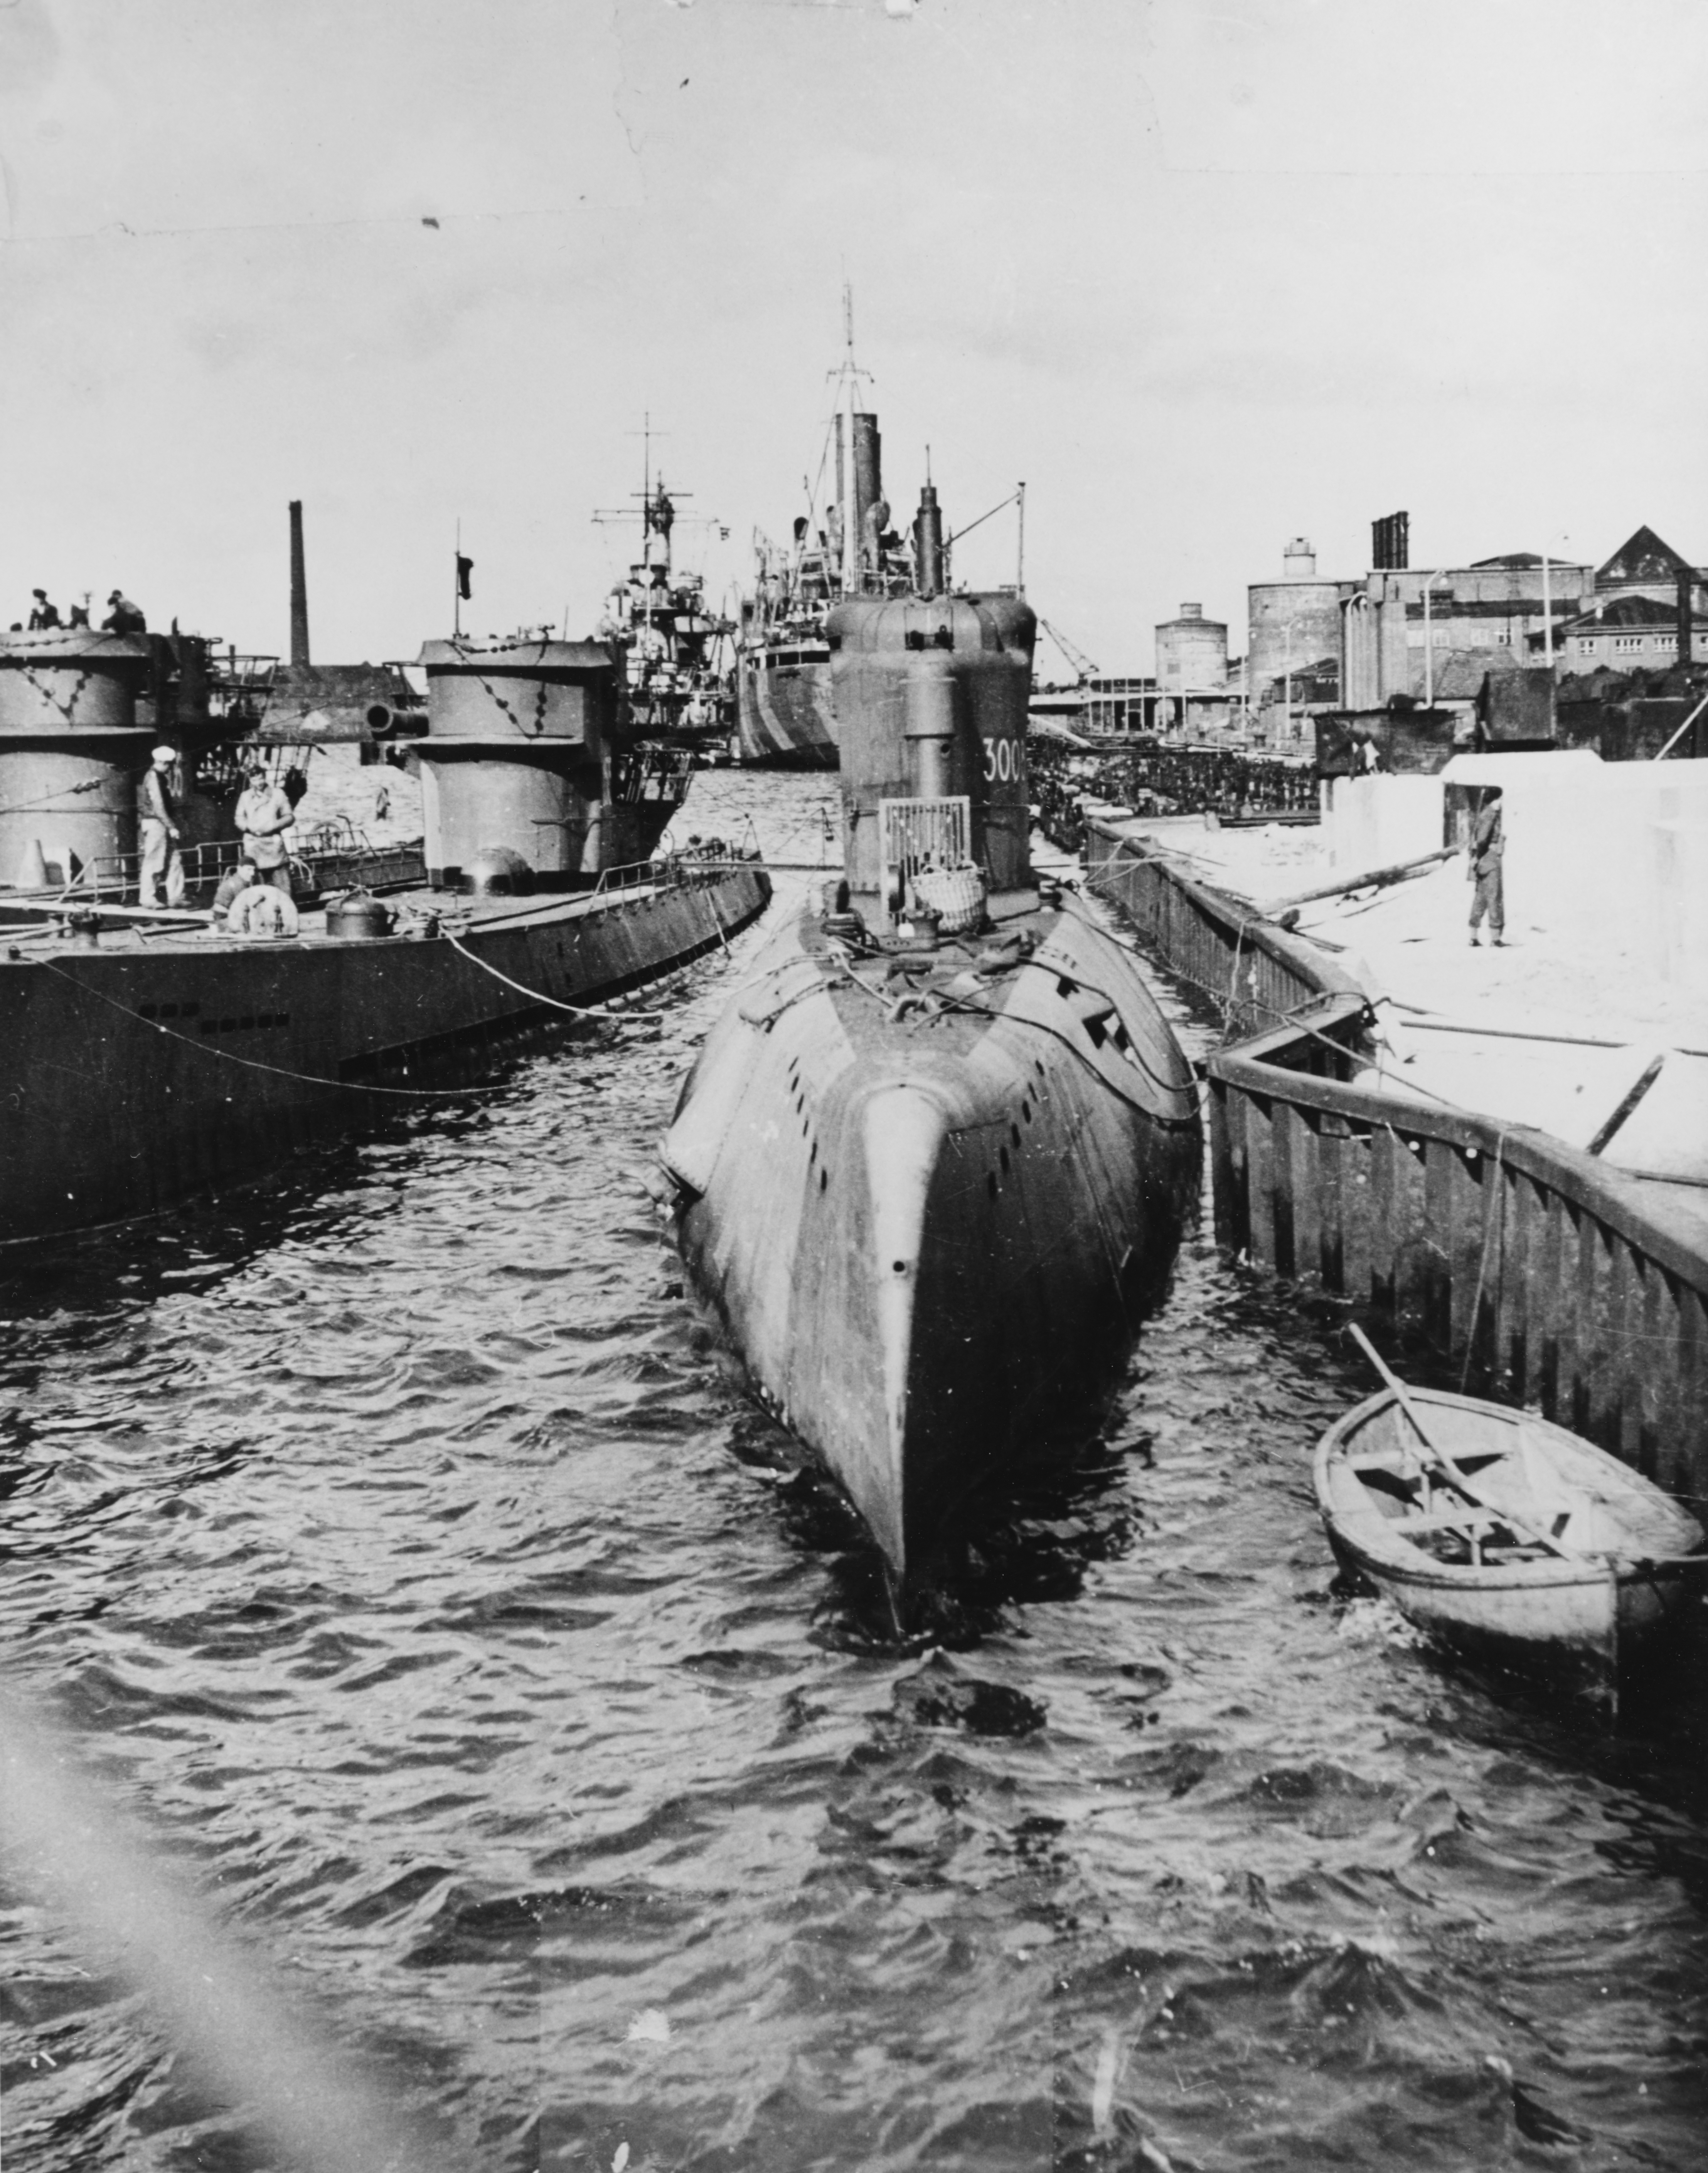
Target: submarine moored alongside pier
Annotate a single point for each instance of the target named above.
(933, 1161)
(151, 1054)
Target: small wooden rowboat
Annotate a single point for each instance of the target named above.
(1494, 1529)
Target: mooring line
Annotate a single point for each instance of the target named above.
(575, 1011)
(279, 1070)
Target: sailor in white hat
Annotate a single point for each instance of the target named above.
(157, 812)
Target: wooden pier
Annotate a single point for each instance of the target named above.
(1548, 1277)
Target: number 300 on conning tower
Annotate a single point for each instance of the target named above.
(1002, 761)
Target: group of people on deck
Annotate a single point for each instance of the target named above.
(255, 897)
(123, 616)
(265, 810)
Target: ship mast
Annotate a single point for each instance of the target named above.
(646, 506)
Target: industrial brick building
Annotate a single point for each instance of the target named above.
(1631, 615)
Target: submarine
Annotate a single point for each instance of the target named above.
(148, 1054)
(932, 1164)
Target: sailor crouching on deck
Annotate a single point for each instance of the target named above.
(264, 814)
(158, 818)
(233, 881)
(124, 616)
(259, 910)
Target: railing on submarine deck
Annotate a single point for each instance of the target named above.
(633, 874)
(675, 871)
(113, 877)
(346, 853)
(334, 855)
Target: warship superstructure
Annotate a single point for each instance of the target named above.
(674, 648)
(933, 1161)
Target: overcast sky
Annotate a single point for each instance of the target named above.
(1206, 276)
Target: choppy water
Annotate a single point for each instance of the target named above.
(396, 1540)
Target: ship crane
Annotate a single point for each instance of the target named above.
(1085, 667)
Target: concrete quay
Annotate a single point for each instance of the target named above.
(1503, 1150)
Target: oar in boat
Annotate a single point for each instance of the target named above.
(1445, 1464)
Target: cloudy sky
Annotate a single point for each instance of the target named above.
(1206, 273)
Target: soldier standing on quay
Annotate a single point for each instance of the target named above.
(1488, 849)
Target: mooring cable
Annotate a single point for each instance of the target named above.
(575, 1011)
(256, 1063)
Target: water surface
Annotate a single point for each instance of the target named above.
(397, 1538)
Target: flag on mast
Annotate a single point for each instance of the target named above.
(465, 567)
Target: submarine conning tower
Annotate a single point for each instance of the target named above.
(930, 694)
(79, 711)
(512, 764)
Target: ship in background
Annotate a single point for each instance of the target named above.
(785, 718)
(619, 816)
(674, 650)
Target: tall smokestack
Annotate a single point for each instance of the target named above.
(1390, 543)
(868, 483)
(1687, 582)
(300, 590)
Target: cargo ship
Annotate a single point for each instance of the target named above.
(933, 1162)
(784, 715)
(150, 1054)
(784, 702)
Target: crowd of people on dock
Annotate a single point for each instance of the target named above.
(1162, 781)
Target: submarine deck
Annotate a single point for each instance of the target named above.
(41, 924)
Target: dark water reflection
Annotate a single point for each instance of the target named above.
(398, 1538)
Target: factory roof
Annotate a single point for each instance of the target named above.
(1642, 557)
(1626, 612)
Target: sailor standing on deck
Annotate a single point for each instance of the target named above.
(158, 819)
(1488, 849)
(43, 615)
(264, 814)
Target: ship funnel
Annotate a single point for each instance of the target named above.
(300, 590)
(868, 463)
(927, 544)
(868, 512)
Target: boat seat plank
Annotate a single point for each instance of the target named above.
(1403, 1467)
(1465, 1520)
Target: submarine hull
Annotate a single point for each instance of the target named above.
(141, 1073)
(933, 1221)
